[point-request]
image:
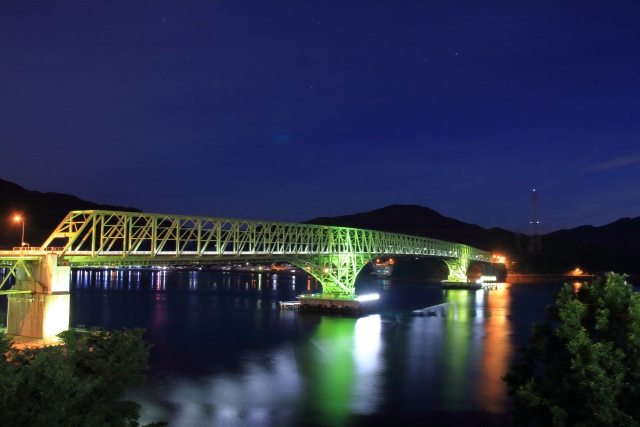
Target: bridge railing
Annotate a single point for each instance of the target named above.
(31, 250)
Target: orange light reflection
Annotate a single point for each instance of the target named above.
(497, 347)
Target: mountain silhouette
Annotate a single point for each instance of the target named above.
(42, 212)
(592, 249)
(621, 235)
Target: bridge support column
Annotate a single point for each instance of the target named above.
(457, 269)
(44, 312)
(337, 273)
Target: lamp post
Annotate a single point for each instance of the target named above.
(18, 218)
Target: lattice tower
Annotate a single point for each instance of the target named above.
(535, 247)
(518, 241)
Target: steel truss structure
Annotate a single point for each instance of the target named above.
(334, 255)
(13, 267)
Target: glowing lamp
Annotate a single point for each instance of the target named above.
(16, 219)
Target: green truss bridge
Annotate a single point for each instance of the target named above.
(333, 255)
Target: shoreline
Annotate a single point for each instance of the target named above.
(537, 278)
(528, 278)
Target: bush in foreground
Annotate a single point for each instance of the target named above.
(78, 384)
(582, 367)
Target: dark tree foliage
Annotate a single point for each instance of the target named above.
(78, 384)
(582, 367)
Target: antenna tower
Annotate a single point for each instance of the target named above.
(535, 247)
(518, 243)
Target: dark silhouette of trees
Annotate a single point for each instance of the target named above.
(78, 384)
(582, 367)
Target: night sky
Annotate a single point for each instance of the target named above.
(294, 110)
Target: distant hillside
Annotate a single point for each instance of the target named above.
(42, 212)
(560, 254)
(621, 235)
(409, 219)
(421, 221)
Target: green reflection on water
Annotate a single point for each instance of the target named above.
(464, 348)
(340, 369)
(457, 348)
(333, 369)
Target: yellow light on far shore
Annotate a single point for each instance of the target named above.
(498, 259)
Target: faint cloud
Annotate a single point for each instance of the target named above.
(557, 181)
(620, 161)
(609, 164)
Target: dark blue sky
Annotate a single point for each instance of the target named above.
(292, 110)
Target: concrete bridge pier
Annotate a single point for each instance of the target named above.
(489, 273)
(457, 269)
(44, 311)
(336, 273)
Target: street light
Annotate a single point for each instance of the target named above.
(16, 219)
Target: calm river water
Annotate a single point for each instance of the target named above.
(224, 354)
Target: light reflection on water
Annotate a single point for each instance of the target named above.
(228, 356)
(341, 377)
(497, 349)
(230, 399)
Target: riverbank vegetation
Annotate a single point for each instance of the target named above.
(582, 367)
(80, 383)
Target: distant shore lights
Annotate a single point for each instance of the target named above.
(500, 259)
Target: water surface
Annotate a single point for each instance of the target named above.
(225, 355)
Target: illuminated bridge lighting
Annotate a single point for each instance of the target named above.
(370, 297)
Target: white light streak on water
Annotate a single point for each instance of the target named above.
(244, 399)
(479, 318)
(368, 365)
